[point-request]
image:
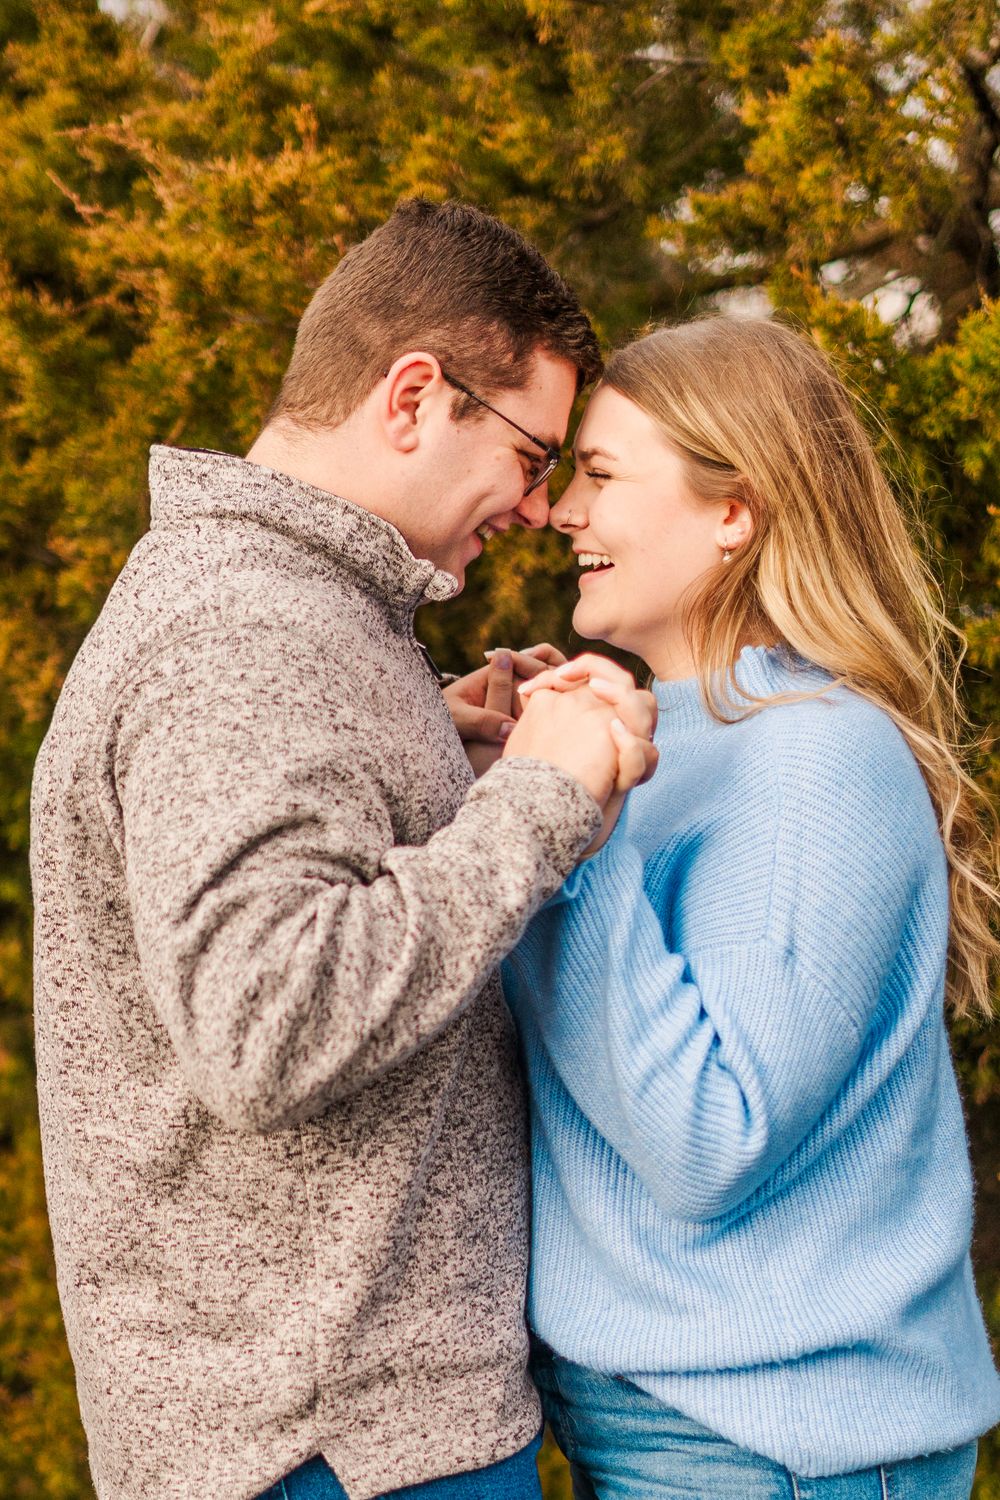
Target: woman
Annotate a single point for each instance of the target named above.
(752, 1201)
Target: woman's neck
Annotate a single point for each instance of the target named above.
(671, 660)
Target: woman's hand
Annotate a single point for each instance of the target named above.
(636, 715)
(485, 705)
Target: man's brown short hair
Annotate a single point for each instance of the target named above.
(444, 277)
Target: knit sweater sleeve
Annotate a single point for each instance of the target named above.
(291, 947)
(705, 1061)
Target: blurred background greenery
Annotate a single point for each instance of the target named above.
(177, 178)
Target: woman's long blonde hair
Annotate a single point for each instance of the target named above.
(831, 569)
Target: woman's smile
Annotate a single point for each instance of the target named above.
(592, 564)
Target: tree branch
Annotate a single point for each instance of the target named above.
(980, 155)
(667, 64)
(86, 211)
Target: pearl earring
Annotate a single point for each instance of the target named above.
(726, 555)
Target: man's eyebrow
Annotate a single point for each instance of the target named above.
(584, 455)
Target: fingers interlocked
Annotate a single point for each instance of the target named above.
(635, 724)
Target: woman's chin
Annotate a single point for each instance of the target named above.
(580, 623)
(588, 624)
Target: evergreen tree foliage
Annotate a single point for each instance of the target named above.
(177, 182)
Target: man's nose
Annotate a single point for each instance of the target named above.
(533, 510)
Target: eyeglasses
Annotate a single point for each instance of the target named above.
(552, 455)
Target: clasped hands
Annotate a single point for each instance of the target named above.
(586, 716)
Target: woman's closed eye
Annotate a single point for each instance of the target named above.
(596, 474)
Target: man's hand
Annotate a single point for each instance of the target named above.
(636, 716)
(485, 705)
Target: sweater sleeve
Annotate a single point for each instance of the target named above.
(705, 1064)
(291, 947)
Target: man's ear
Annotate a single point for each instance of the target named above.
(412, 391)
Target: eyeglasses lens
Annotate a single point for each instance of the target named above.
(543, 474)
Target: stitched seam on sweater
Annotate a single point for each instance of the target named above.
(779, 823)
(859, 1023)
(222, 628)
(796, 966)
(103, 735)
(300, 1132)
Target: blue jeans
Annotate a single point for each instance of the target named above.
(621, 1442)
(514, 1478)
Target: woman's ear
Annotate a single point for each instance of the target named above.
(735, 525)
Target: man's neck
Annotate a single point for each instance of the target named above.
(332, 459)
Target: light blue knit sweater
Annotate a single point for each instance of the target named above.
(751, 1185)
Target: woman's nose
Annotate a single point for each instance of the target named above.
(565, 514)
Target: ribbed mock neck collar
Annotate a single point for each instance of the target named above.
(762, 671)
(187, 484)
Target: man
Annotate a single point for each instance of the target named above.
(282, 1124)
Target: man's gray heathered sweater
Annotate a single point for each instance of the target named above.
(283, 1130)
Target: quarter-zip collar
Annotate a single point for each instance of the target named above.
(187, 484)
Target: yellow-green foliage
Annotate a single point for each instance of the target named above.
(174, 189)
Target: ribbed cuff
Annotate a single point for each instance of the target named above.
(616, 856)
(557, 809)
